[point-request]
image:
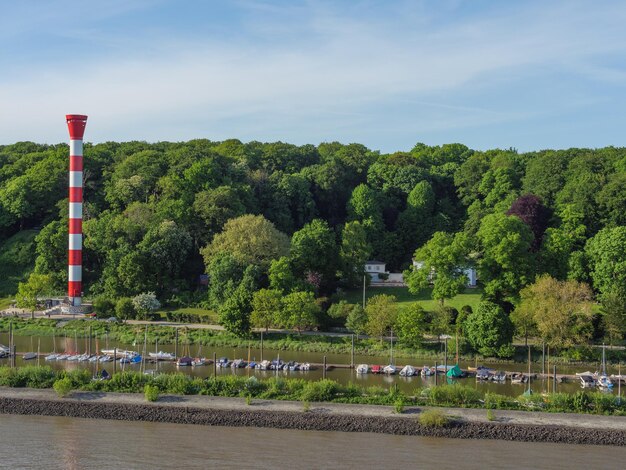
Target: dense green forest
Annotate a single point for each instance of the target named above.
(282, 230)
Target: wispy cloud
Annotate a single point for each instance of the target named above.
(303, 73)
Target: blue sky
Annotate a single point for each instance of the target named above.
(388, 74)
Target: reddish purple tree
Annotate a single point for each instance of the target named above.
(533, 213)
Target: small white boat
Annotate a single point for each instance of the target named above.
(62, 357)
(390, 369)
(426, 371)
(184, 361)
(106, 358)
(407, 371)
(362, 369)
(604, 382)
(199, 361)
(119, 353)
(519, 379)
(305, 367)
(52, 357)
(586, 381)
(94, 358)
(580, 374)
(237, 363)
(29, 356)
(72, 357)
(264, 365)
(499, 376)
(161, 356)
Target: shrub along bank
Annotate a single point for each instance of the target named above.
(307, 391)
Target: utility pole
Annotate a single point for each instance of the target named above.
(364, 291)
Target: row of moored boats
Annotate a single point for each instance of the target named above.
(276, 364)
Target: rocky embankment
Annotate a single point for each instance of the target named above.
(213, 412)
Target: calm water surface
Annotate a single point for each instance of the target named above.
(72, 443)
(406, 384)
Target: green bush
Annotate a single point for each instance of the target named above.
(29, 376)
(455, 394)
(151, 392)
(581, 402)
(603, 403)
(398, 405)
(563, 402)
(499, 402)
(433, 418)
(306, 406)
(323, 390)
(491, 415)
(63, 387)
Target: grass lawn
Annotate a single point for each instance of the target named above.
(190, 310)
(469, 297)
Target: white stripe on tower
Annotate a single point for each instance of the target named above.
(76, 125)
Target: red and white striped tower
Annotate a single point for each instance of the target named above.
(76, 124)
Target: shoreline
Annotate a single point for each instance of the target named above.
(466, 423)
(329, 348)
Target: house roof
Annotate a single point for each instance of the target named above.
(375, 262)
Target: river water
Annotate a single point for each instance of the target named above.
(342, 375)
(73, 443)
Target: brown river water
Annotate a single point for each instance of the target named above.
(42, 442)
(342, 375)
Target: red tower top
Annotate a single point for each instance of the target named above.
(76, 124)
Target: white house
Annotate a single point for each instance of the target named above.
(469, 272)
(374, 268)
(381, 277)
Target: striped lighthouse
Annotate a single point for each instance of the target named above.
(76, 125)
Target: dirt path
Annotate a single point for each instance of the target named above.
(469, 415)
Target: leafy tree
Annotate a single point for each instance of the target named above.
(340, 310)
(357, 320)
(235, 312)
(250, 239)
(125, 309)
(545, 174)
(165, 249)
(416, 223)
(29, 292)
(216, 206)
(489, 330)
(381, 311)
(607, 259)
(523, 318)
(266, 308)
(614, 315)
(145, 304)
(559, 243)
(314, 249)
(282, 277)
(441, 320)
(300, 311)
(507, 263)
(354, 252)
(442, 261)
(411, 324)
(561, 310)
(225, 274)
(612, 200)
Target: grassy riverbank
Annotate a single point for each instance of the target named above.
(308, 391)
(314, 343)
